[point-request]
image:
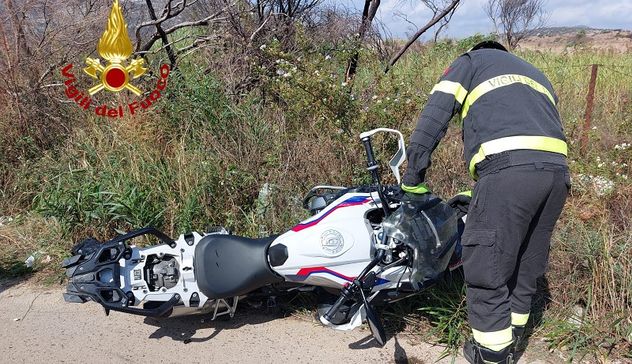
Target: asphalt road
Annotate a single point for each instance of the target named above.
(37, 326)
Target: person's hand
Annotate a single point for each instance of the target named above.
(461, 202)
(414, 193)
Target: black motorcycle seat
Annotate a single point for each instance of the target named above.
(227, 265)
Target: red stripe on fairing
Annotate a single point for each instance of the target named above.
(307, 271)
(300, 227)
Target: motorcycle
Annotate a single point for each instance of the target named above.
(366, 244)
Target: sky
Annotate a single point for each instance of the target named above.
(470, 17)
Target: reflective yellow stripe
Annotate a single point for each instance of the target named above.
(519, 319)
(420, 189)
(467, 193)
(501, 81)
(452, 88)
(542, 143)
(494, 340)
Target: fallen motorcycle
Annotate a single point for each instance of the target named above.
(365, 243)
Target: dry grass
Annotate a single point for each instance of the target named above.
(202, 157)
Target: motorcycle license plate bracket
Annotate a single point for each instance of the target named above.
(96, 276)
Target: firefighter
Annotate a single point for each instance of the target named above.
(515, 149)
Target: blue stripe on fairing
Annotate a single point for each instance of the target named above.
(351, 201)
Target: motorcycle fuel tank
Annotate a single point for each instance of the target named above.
(332, 247)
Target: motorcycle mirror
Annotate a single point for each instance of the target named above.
(375, 324)
(399, 157)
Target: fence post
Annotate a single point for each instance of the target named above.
(590, 98)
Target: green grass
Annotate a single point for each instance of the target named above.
(205, 151)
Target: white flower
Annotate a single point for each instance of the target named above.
(280, 72)
(343, 84)
(374, 97)
(603, 186)
(263, 46)
(594, 128)
(327, 57)
(287, 75)
(624, 176)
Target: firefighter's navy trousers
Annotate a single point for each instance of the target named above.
(506, 243)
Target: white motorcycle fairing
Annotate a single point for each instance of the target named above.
(330, 249)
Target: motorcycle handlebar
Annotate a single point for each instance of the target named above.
(373, 168)
(368, 148)
(329, 315)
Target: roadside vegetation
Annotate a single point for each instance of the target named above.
(214, 151)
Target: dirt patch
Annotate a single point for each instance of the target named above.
(37, 326)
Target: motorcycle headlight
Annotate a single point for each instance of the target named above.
(429, 227)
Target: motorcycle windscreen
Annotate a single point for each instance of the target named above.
(429, 227)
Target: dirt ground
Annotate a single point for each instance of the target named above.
(37, 326)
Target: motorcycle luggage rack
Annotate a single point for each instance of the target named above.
(229, 308)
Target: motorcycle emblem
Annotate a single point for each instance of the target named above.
(115, 46)
(332, 242)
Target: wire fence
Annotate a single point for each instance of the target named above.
(603, 89)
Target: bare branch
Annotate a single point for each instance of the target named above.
(254, 34)
(421, 31)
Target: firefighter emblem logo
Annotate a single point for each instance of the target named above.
(115, 47)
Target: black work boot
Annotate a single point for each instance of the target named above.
(518, 335)
(477, 354)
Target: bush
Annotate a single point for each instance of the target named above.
(207, 156)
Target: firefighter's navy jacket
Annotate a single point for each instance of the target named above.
(504, 102)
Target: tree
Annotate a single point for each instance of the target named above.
(447, 11)
(437, 6)
(368, 13)
(515, 18)
(171, 10)
(441, 14)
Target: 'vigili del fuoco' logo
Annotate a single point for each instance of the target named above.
(117, 74)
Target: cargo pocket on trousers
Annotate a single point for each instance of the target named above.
(480, 258)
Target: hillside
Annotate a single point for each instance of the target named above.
(564, 39)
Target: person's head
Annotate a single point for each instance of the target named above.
(489, 44)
